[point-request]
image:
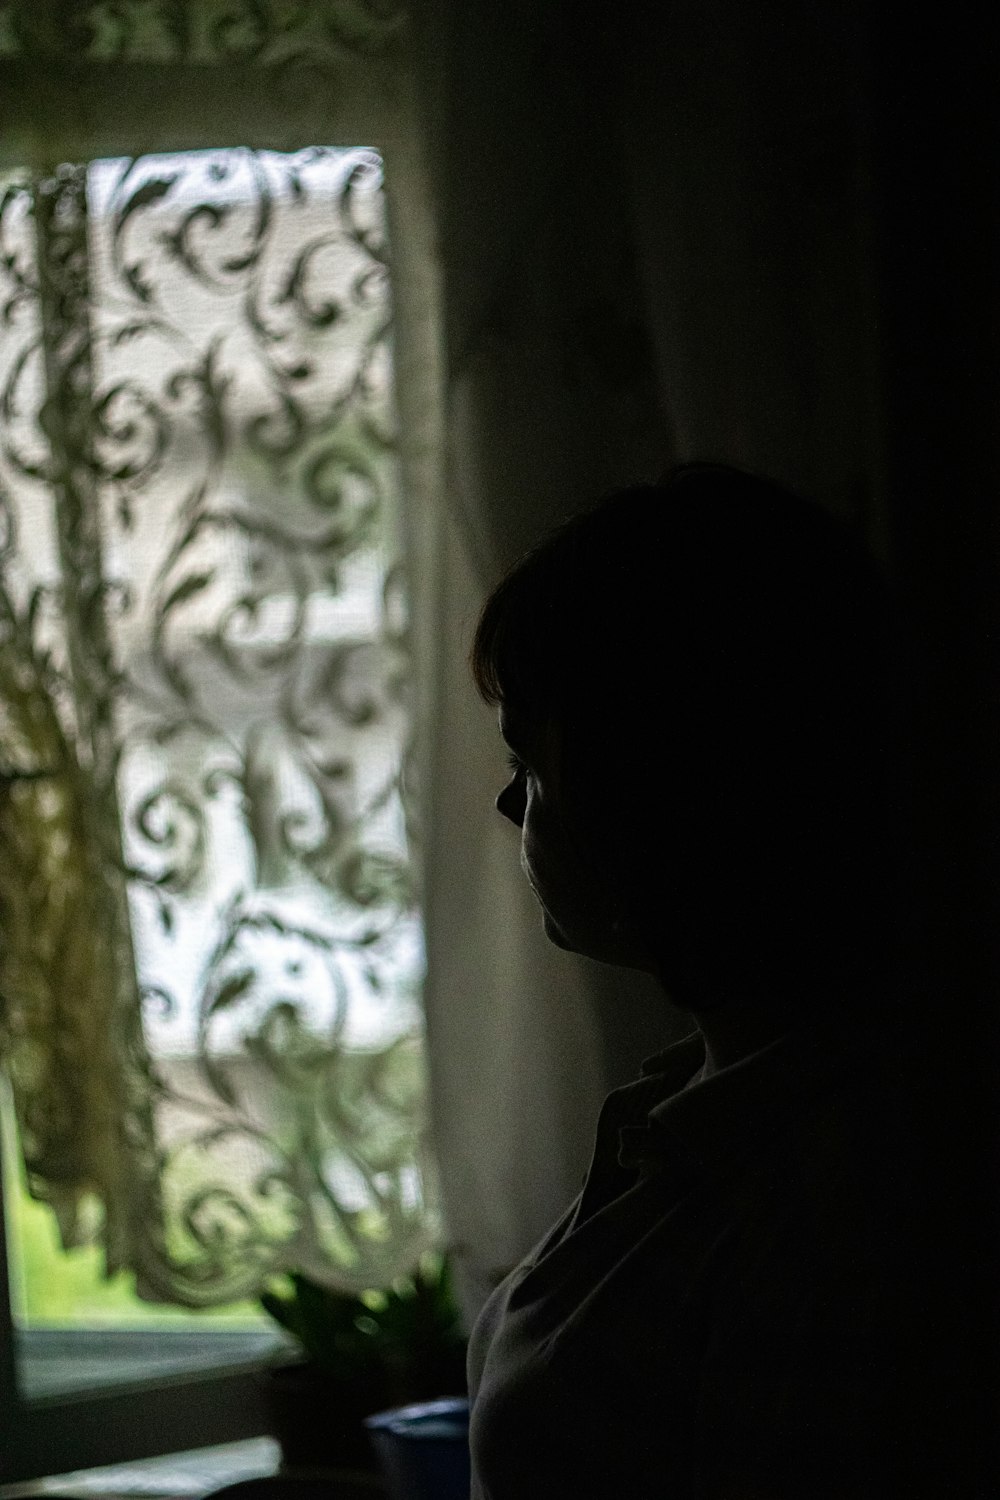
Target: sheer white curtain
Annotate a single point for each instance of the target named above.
(513, 1042)
(212, 952)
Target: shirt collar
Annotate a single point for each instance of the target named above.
(673, 1112)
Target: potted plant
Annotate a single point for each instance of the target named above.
(359, 1354)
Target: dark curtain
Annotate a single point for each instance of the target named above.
(763, 233)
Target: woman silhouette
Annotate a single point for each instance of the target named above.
(700, 686)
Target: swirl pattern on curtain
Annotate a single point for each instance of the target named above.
(212, 949)
(267, 33)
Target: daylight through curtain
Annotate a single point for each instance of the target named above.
(212, 944)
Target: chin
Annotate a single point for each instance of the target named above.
(604, 950)
(555, 934)
(601, 953)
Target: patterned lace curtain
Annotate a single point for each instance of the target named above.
(211, 941)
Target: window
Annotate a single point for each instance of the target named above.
(212, 960)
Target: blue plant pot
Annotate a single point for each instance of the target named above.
(423, 1450)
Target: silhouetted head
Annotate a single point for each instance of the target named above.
(701, 682)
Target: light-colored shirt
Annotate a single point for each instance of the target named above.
(730, 1308)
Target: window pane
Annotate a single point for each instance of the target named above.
(77, 1330)
(225, 950)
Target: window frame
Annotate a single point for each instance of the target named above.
(59, 112)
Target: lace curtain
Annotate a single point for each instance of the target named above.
(270, 33)
(212, 946)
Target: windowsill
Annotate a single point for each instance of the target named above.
(67, 1362)
(177, 1476)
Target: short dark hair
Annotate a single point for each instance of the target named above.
(731, 653)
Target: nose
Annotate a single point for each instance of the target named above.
(511, 801)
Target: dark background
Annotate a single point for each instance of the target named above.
(765, 234)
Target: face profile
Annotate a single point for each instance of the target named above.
(578, 912)
(749, 847)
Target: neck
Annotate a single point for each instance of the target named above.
(736, 1023)
(734, 1032)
